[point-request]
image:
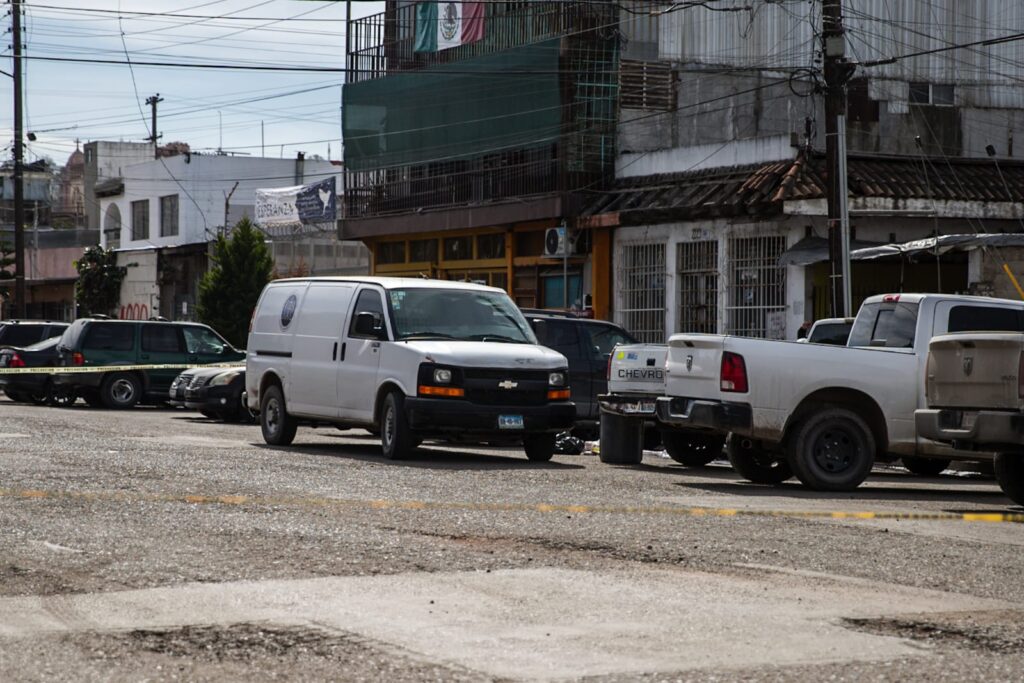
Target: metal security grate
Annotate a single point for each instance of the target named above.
(697, 271)
(756, 291)
(641, 284)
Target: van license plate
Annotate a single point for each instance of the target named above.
(510, 422)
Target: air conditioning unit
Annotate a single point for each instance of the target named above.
(557, 243)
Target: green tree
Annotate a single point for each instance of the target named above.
(98, 289)
(229, 291)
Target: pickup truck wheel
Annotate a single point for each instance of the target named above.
(752, 462)
(120, 390)
(692, 449)
(1010, 475)
(832, 450)
(277, 425)
(539, 447)
(925, 467)
(396, 439)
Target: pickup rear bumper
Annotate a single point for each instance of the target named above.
(628, 405)
(718, 416)
(966, 429)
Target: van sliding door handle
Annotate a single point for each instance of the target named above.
(342, 351)
(334, 353)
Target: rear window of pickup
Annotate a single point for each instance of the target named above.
(985, 319)
(890, 325)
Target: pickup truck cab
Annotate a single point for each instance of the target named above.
(824, 413)
(975, 392)
(412, 358)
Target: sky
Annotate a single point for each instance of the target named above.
(257, 113)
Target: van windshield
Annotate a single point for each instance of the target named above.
(460, 314)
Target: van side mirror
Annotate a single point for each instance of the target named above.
(370, 325)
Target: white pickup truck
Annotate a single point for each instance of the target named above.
(636, 378)
(825, 413)
(975, 390)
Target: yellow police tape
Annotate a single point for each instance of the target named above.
(78, 369)
(293, 501)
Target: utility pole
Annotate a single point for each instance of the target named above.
(837, 72)
(153, 137)
(19, 169)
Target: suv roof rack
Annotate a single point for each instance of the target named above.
(560, 313)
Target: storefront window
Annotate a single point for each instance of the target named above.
(391, 252)
(458, 248)
(423, 250)
(490, 246)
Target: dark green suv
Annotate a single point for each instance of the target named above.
(95, 342)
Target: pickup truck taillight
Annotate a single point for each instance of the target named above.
(77, 358)
(734, 373)
(17, 362)
(608, 369)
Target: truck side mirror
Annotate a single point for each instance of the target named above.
(370, 325)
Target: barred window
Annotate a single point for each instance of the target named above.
(697, 270)
(140, 220)
(641, 283)
(756, 291)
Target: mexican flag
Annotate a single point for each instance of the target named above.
(443, 25)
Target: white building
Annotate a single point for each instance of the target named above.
(718, 207)
(161, 215)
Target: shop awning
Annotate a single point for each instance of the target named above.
(815, 249)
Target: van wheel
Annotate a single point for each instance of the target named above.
(925, 467)
(752, 461)
(396, 439)
(1010, 475)
(832, 450)
(692, 449)
(539, 447)
(120, 390)
(277, 425)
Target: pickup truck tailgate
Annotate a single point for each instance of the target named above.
(976, 373)
(694, 365)
(637, 369)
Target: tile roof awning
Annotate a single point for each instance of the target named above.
(761, 190)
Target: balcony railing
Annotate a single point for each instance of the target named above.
(383, 44)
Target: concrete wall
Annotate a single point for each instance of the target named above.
(140, 293)
(105, 160)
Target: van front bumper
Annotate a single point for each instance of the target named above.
(968, 429)
(448, 415)
(694, 413)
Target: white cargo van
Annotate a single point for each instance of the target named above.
(416, 359)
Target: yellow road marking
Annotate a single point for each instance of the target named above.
(296, 501)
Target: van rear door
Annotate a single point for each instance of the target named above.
(313, 388)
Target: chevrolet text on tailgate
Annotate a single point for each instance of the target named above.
(636, 378)
(414, 359)
(824, 413)
(975, 391)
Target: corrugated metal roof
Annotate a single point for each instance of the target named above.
(761, 189)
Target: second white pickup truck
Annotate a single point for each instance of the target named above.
(824, 412)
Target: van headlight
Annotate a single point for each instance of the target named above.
(556, 379)
(442, 376)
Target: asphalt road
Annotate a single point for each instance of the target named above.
(157, 545)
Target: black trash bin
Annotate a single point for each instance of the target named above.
(622, 439)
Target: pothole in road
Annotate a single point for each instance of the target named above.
(995, 632)
(246, 643)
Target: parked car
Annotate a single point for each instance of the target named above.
(414, 358)
(178, 393)
(23, 333)
(35, 388)
(833, 331)
(975, 389)
(586, 344)
(92, 342)
(219, 394)
(825, 413)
